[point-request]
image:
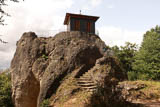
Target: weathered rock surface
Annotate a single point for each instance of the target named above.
(42, 67)
(142, 93)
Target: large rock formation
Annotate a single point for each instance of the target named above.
(70, 65)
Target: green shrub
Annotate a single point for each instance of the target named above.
(141, 76)
(45, 103)
(5, 90)
(126, 54)
(45, 56)
(132, 75)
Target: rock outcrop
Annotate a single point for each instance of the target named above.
(50, 68)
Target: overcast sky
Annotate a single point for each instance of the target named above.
(120, 20)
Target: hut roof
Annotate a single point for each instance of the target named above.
(68, 15)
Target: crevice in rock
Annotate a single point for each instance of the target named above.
(90, 55)
(42, 53)
(83, 70)
(31, 88)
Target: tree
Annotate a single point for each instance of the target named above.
(126, 55)
(147, 60)
(5, 90)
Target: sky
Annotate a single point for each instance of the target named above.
(120, 20)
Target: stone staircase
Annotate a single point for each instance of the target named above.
(86, 82)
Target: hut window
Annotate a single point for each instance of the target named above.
(77, 25)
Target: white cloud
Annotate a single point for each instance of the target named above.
(117, 36)
(91, 4)
(5, 58)
(110, 6)
(30, 15)
(95, 3)
(42, 16)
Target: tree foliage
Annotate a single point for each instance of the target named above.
(147, 60)
(5, 90)
(126, 55)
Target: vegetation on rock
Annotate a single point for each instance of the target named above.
(45, 103)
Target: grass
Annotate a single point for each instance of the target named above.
(64, 92)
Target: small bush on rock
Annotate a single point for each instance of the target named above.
(45, 103)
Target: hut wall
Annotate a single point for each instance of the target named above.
(83, 25)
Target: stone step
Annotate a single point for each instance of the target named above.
(85, 81)
(88, 89)
(87, 74)
(79, 79)
(85, 77)
(91, 87)
(91, 90)
(87, 84)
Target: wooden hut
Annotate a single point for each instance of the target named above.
(79, 22)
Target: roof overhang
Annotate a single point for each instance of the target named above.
(68, 15)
